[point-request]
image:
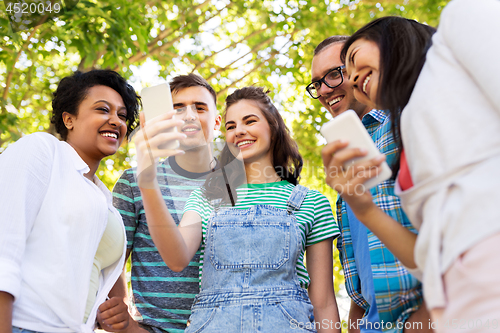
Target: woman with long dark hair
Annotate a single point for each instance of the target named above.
(254, 225)
(62, 243)
(443, 94)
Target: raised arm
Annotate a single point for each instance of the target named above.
(176, 245)
(349, 184)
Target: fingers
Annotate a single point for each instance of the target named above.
(158, 127)
(330, 149)
(362, 167)
(158, 145)
(342, 174)
(164, 139)
(344, 156)
(113, 315)
(336, 155)
(362, 174)
(163, 116)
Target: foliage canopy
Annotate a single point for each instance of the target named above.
(232, 43)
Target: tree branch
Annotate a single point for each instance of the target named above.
(10, 74)
(263, 61)
(259, 65)
(154, 48)
(256, 47)
(28, 88)
(165, 33)
(233, 44)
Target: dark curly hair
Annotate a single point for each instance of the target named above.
(286, 159)
(72, 90)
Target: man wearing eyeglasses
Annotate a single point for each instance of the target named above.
(390, 295)
(328, 84)
(163, 298)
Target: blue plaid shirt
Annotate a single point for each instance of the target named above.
(398, 293)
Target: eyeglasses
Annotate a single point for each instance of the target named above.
(332, 79)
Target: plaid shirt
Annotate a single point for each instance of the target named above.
(398, 293)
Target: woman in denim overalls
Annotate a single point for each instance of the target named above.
(253, 236)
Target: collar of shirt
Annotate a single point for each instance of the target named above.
(80, 165)
(83, 168)
(375, 116)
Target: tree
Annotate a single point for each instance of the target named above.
(232, 43)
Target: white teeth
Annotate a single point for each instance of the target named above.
(333, 101)
(110, 135)
(366, 82)
(244, 143)
(189, 129)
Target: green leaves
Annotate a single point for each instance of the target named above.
(232, 43)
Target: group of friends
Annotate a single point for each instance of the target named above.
(233, 243)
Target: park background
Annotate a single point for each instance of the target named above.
(231, 43)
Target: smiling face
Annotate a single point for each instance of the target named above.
(247, 128)
(98, 128)
(363, 70)
(341, 98)
(200, 120)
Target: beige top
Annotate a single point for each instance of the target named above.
(109, 251)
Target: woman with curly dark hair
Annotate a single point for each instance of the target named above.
(62, 242)
(254, 226)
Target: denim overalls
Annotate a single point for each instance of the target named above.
(249, 281)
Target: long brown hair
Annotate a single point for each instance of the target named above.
(286, 158)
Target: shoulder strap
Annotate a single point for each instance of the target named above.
(296, 198)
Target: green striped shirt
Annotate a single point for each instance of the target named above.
(315, 218)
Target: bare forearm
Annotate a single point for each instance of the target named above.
(120, 288)
(164, 231)
(355, 314)
(321, 291)
(6, 301)
(328, 318)
(399, 240)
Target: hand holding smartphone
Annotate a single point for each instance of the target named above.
(157, 100)
(348, 126)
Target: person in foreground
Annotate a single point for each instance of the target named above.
(253, 236)
(396, 298)
(162, 297)
(62, 243)
(449, 111)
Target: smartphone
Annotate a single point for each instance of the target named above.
(348, 126)
(157, 100)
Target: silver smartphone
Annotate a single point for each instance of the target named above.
(157, 100)
(348, 126)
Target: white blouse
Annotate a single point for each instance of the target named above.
(51, 221)
(451, 134)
